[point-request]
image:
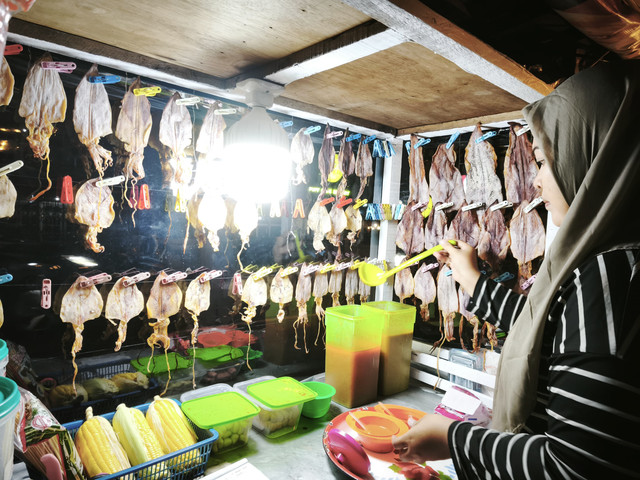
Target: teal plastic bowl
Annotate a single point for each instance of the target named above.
(319, 406)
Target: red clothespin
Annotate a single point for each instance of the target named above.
(237, 284)
(45, 299)
(344, 201)
(174, 277)
(95, 280)
(66, 190)
(136, 278)
(142, 194)
(327, 200)
(298, 211)
(205, 277)
(12, 49)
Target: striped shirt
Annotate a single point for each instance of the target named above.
(587, 420)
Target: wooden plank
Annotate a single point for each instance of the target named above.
(416, 21)
(466, 122)
(358, 42)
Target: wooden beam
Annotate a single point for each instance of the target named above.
(419, 23)
(358, 42)
(55, 41)
(468, 123)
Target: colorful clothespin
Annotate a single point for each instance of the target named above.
(193, 100)
(369, 139)
(505, 277)
(355, 264)
(452, 139)
(344, 201)
(430, 266)
(523, 130)
(371, 212)
(263, 272)
(225, 111)
(95, 280)
(335, 134)
(12, 49)
(284, 209)
(66, 190)
(534, 203)
(486, 136)
(360, 203)
(144, 200)
(408, 147)
(45, 293)
(138, 277)
(324, 201)
(421, 142)
(503, 204)
(110, 181)
(399, 210)
(174, 277)
(377, 149)
(147, 91)
(105, 79)
(527, 283)
(207, 277)
(181, 203)
(286, 124)
(343, 266)
(355, 136)
(60, 67)
(12, 167)
(313, 129)
(427, 211)
(5, 278)
(444, 206)
(298, 211)
(386, 211)
(473, 206)
(236, 289)
(327, 268)
(289, 271)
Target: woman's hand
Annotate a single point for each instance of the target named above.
(463, 261)
(426, 440)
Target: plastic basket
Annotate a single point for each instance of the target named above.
(69, 413)
(192, 465)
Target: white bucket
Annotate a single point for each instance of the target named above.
(9, 402)
(4, 357)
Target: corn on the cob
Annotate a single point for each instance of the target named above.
(172, 430)
(98, 446)
(138, 440)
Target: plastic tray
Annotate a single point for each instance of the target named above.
(69, 413)
(280, 401)
(192, 465)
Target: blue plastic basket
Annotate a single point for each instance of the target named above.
(192, 465)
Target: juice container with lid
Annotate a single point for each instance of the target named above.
(395, 346)
(353, 354)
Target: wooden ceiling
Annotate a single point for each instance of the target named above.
(391, 67)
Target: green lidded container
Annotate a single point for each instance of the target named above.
(395, 345)
(353, 353)
(228, 412)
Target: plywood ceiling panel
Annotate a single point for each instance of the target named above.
(218, 37)
(402, 87)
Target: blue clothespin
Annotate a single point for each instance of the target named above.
(392, 150)
(370, 212)
(452, 139)
(104, 79)
(505, 277)
(486, 136)
(7, 277)
(408, 147)
(370, 139)
(313, 129)
(448, 273)
(286, 124)
(377, 149)
(355, 136)
(421, 142)
(397, 215)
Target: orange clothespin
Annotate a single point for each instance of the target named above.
(344, 201)
(144, 202)
(298, 211)
(12, 49)
(327, 200)
(66, 190)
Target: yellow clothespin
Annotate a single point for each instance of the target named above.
(327, 268)
(147, 91)
(360, 203)
(356, 264)
(263, 272)
(289, 271)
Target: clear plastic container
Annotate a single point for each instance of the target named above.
(395, 344)
(470, 360)
(280, 401)
(353, 354)
(4, 357)
(224, 409)
(9, 402)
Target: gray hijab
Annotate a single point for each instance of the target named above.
(589, 130)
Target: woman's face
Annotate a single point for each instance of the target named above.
(546, 184)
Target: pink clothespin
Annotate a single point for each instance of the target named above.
(95, 280)
(419, 205)
(237, 284)
(45, 299)
(205, 277)
(136, 278)
(527, 283)
(174, 277)
(61, 67)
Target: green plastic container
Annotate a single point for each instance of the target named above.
(319, 406)
(353, 354)
(227, 412)
(395, 344)
(4, 357)
(280, 401)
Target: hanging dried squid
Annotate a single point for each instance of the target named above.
(303, 294)
(281, 292)
(123, 303)
(320, 289)
(197, 299)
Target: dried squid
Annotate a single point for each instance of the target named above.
(92, 119)
(403, 284)
(245, 219)
(319, 222)
(354, 223)
(424, 290)
(325, 161)
(254, 294)
(463, 299)
(494, 240)
(351, 285)
(363, 166)
(133, 129)
(43, 103)
(281, 292)
(303, 294)
(212, 214)
(435, 229)
(6, 83)
(8, 197)
(335, 285)
(197, 299)
(338, 217)
(465, 227)
(79, 305)
(527, 240)
(302, 153)
(520, 168)
(364, 291)
(447, 303)
(482, 184)
(445, 181)
(94, 208)
(123, 303)
(320, 289)
(211, 137)
(346, 157)
(164, 300)
(193, 220)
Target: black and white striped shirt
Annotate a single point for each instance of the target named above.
(587, 419)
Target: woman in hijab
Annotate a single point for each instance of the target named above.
(568, 389)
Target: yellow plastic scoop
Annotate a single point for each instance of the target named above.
(373, 275)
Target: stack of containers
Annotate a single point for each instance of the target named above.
(9, 402)
(368, 350)
(4, 357)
